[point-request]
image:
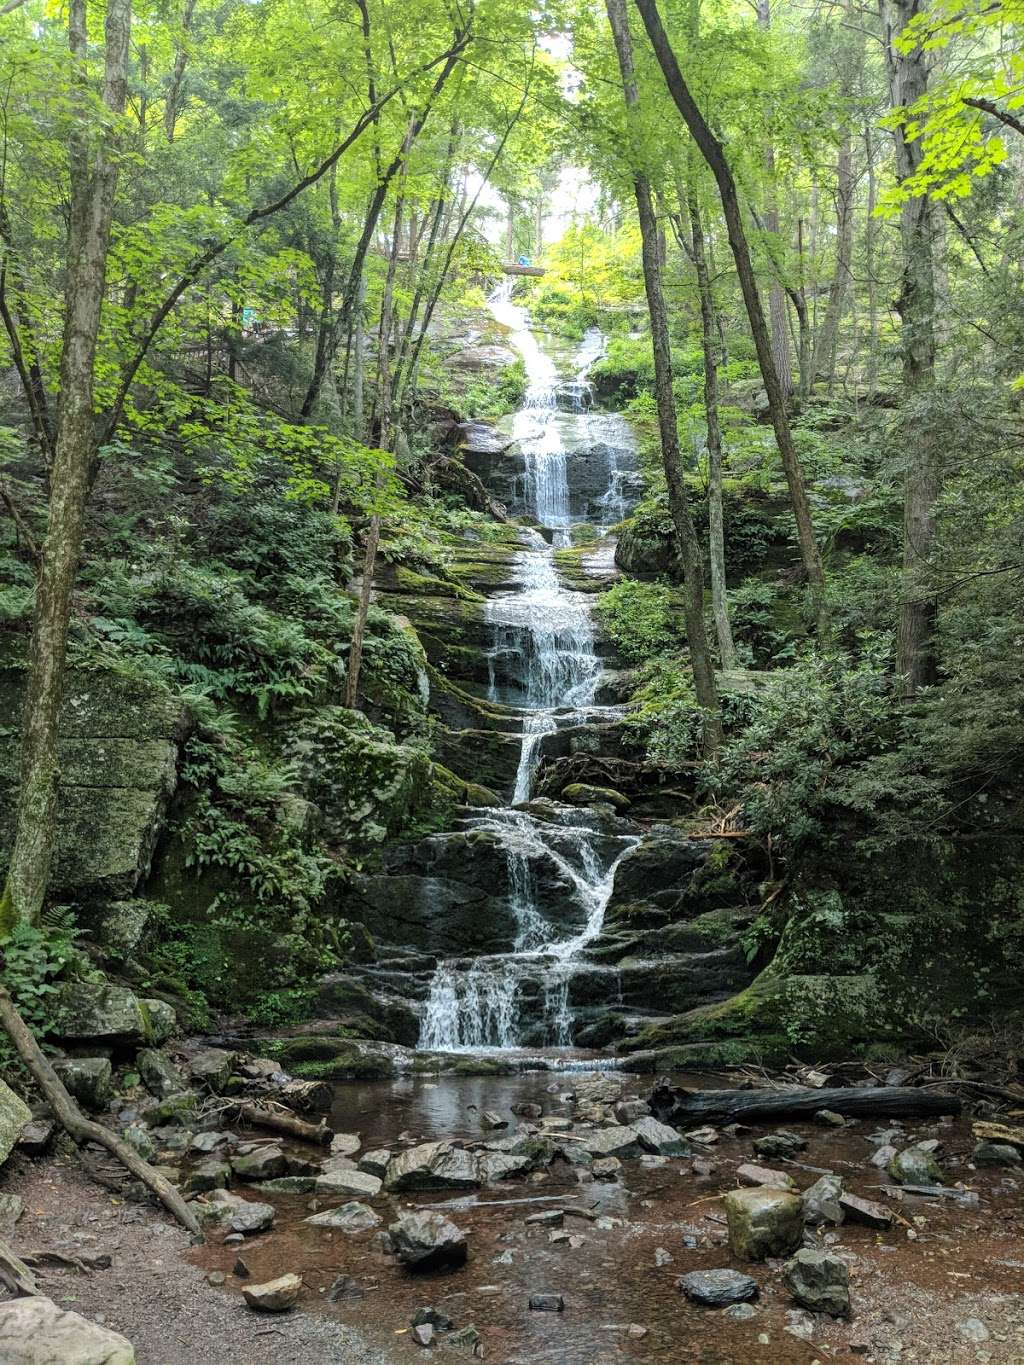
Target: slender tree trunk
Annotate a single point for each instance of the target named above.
(824, 363)
(908, 83)
(719, 600)
(173, 106)
(93, 169)
(776, 294)
(714, 154)
(688, 545)
(870, 264)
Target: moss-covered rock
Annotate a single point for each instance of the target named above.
(583, 794)
(97, 1012)
(14, 1114)
(343, 998)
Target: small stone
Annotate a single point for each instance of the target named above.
(204, 1143)
(426, 1241)
(866, 1211)
(246, 1216)
(527, 1111)
(159, 1074)
(828, 1118)
(606, 1168)
(741, 1312)
(554, 1124)
(821, 1201)
(233, 1239)
(881, 1156)
(717, 1288)
(628, 1111)
(547, 1303)
(423, 1334)
(240, 1269)
(36, 1137)
(216, 1277)
(819, 1281)
(375, 1162)
(659, 1138)
(748, 1174)
(916, 1166)
(289, 1184)
(616, 1141)
(212, 1068)
(763, 1222)
(345, 1287)
(973, 1329)
(138, 1136)
(350, 1217)
(345, 1144)
(466, 1341)
(492, 1121)
(206, 1176)
(706, 1136)
(266, 1163)
(275, 1296)
(702, 1168)
(86, 1079)
(779, 1144)
(662, 1256)
(440, 1322)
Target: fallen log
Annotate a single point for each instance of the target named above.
(679, 1107)
(81, 1129)
(281, 1121)
(998, 1132)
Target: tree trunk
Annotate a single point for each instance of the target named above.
(688, 545)
(719, 600)
(908, 83)
(823, 366)
(673, 1105)
(93, 169)
(776, 294)
(714, 154)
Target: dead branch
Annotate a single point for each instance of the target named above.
(280, 1121)
(81, 1129)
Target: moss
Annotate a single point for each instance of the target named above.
(481, 1066)
(347, 1066)
(584, 794)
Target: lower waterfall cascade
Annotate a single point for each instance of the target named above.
(543, 662)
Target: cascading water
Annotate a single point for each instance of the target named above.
(543, 661)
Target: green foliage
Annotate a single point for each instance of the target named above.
(643, 619)
(31, 960)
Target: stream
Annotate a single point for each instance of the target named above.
(544, 662)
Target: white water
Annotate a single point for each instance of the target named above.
(543, 660)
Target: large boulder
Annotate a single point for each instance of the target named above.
(159, 1074)
(432, 1166)
(86, 1079)
(118, 754)
(15, 1115)
(427, 1241)
(35, 1331)
(96, 1012)
(246, 1216)
(763, 1222)
(821, 1201)
(820, 1281)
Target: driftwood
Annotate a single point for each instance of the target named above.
(81, 1129)
(998, 1132)
(678, 1107)
(280, 1121)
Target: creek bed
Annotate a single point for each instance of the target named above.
(942, 1265)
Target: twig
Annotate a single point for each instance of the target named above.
(19, 522)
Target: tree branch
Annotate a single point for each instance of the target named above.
(987, 107)
(369, 116)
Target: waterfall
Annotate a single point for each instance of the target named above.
(543, 661)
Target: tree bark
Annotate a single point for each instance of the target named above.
(776, 294)
(93, 183)
(716, 517)
(823, 365)
(908, 83)
(81, 1129)
(714, 154)
(687, 544)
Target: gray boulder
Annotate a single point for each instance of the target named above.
(351, 1181)
(763, 1222)
(427, 1241)
(718, 1288)
(375, 1162)
(35, 1331)
(275, 1296)
(659, 1137)
(86, 1079)
(621, 1141)
(15, 1117)
(159, 1074)
(995, 1154)
(751, 1174)
(819, 1281)
(432, 1166)
(916, 1166)
(205, 1176)
(212, 1068)
(246, 1216)
(264, 1163)
(350, 1217)
(821, 1201)
(95, 1012)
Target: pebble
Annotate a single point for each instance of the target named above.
(662, 1256)
(973, 1329)
(216, 1277)
(741, 1312)
(547, 1303)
